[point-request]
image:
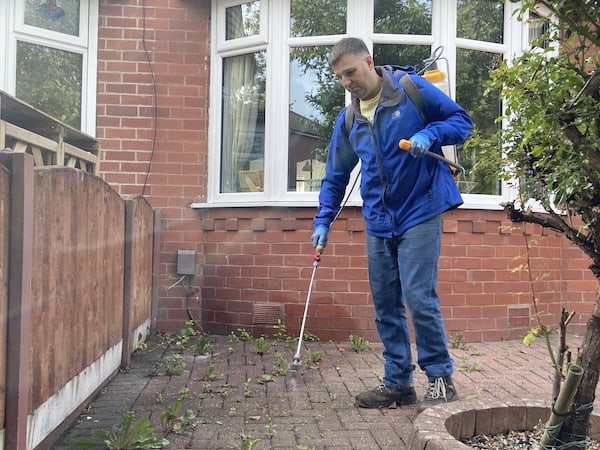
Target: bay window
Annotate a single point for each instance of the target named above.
(275, 99)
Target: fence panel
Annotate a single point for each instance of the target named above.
(139, 232)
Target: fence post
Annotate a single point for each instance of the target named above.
(128, 253)
(19, 299)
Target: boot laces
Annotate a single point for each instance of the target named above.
(437, 389)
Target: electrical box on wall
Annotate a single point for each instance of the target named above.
(186, 262)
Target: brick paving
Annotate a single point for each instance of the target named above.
(237, 396)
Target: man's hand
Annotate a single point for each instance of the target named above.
(419, 144)
(319, 236)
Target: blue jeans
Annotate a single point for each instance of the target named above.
(403, 273)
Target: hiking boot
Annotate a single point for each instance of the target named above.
(441, 390)
(383, 396)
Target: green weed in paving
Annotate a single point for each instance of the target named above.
(358, 343)
(173, 364)
(129, 435)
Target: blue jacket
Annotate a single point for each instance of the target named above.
(398, 190)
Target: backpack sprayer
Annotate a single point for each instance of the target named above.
(438, 78)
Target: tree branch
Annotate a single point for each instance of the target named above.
(555, 222)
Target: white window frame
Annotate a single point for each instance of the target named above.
(275, 39)
(13, 29)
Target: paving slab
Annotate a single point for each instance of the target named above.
(239, 397)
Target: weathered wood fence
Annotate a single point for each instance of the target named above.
(76, 290)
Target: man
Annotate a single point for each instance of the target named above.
(403, 195)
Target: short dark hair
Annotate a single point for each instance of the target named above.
(354, 46)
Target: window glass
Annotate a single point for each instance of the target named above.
(242, 20)
(473, 69)
(538, 26)
(402, 55)
(481, 20)
(50, 80)
(316, 97)
(402, 16)
(317, 17)
(56, 15)
(243, 123)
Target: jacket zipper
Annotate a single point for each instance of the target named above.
(382, 174)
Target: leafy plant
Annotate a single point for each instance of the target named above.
(282, 332)
(211, 372)
(203, 345)
(172, 421)
(358, 343)
(129, 435)
(181, 339)
(457, 340)
(310, 337)
(243, 335)
(262, 345)
(173, 364)
(314, 357)
(280, 365)
(549, 153)
(248, 442)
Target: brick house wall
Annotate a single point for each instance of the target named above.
(253, 265)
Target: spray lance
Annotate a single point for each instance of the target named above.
(317, 259)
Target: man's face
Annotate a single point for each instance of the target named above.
(357, 75)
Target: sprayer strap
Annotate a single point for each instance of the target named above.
(409, 88)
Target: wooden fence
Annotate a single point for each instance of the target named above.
(76, 291)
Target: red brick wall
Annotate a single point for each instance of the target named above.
(258, 257)
(152, 120)
(254, 264)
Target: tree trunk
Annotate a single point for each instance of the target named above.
(576, 427)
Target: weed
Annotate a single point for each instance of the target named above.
(142, 345)
(203, 345)
(243, 335)
(172, 421)
(280, 365)
(173, 364)
(128, 435)
(358, 343)
(211, 373)
(262, 345)
(179, 340)
(458, 340)
(169, 414)
(247, 392)
(310, 337)
(183, 393)
(314, 358)
(248, 442)
(282, 333)
(466, 366)
(265, 378)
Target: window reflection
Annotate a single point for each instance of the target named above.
(473, 69)
(61, 16)
(481, 20)
(50, 80)
(317, 17)
(243, 125)
(401, 55)
(242, 20)
(316, 97)
(402, 16)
